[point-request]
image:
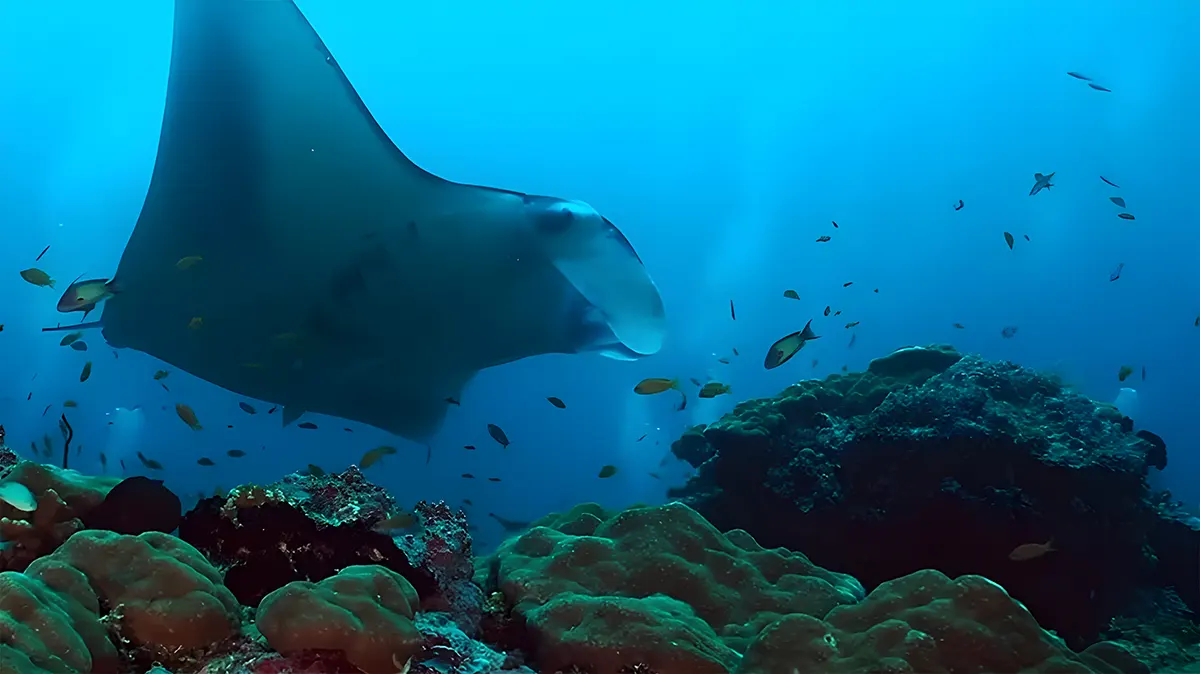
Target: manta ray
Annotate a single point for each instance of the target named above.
(325, 271)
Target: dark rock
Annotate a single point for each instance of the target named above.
(134, 506)
(930, 459)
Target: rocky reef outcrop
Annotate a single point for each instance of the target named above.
(935, 460)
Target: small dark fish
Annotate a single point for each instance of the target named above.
(1143, 373)
(247, 408)
(791, 294)
(695, 382)
(644, 434)
(732, 312)
(1124, 372)
(79, 346)
(149, 463)
(1026, 237)
(682, 402)
(1008, 238)
(116, 356)
(468, 446)
(315, 470)
(272, 410)
(607, 471)
(853, 339)
(493, 479)
(1110, 182)
(847, 284)
(205, 461)
(229, 426)
(723, 361)
(308, 426)
(498, 435)
(823, 238)
(348, 430)
(39, 257)
(507, 524)
(786, 347)
(815, 361)
(960, 326)
(851, 324)
(1077, 76)
(835, 225)
(30, 396)
(468, 476)
(47, 409)
(1125, 216)
(557, 402)
(1041, 182)
(453, 401)
(1196, 323)
(827, 309)
(1008, 332)
(468, 501)
(1118, 201)
(236, 453)
(103, 461)
(400, 520)
(838, 312)
(735, 351)
(959, 205)
(164, 387)
(87, 371)
(70, 339)
(1097, 87)
(1116, 273)
(656, 476)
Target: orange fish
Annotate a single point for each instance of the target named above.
(1028, 551)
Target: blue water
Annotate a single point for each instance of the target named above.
(723, 139)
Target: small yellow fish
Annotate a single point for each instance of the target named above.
(374, 455)
(1124, 372)
(1028, 551)
(38, 277)
(713, 389)
(196, 323)
(653, 385)
(187, 262)
(188, 416)
(87, 371)
(398, 521)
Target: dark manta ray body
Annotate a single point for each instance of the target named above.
(336, 275)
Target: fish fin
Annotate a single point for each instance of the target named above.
(291, 413)
(79, 326)
(807, 333)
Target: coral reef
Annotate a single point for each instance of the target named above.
(653, 585)
(307, 528)
(925, 622)
(934, 460)
(63, 497)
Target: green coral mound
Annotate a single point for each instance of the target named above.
(682, 595)
(364, 612)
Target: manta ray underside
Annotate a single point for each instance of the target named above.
(334, 275)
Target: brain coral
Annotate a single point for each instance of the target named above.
(365, 612)
(46, 631)
(926, 623)
(164, 595)
(664, 576)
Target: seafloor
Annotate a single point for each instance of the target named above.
(864, 523)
